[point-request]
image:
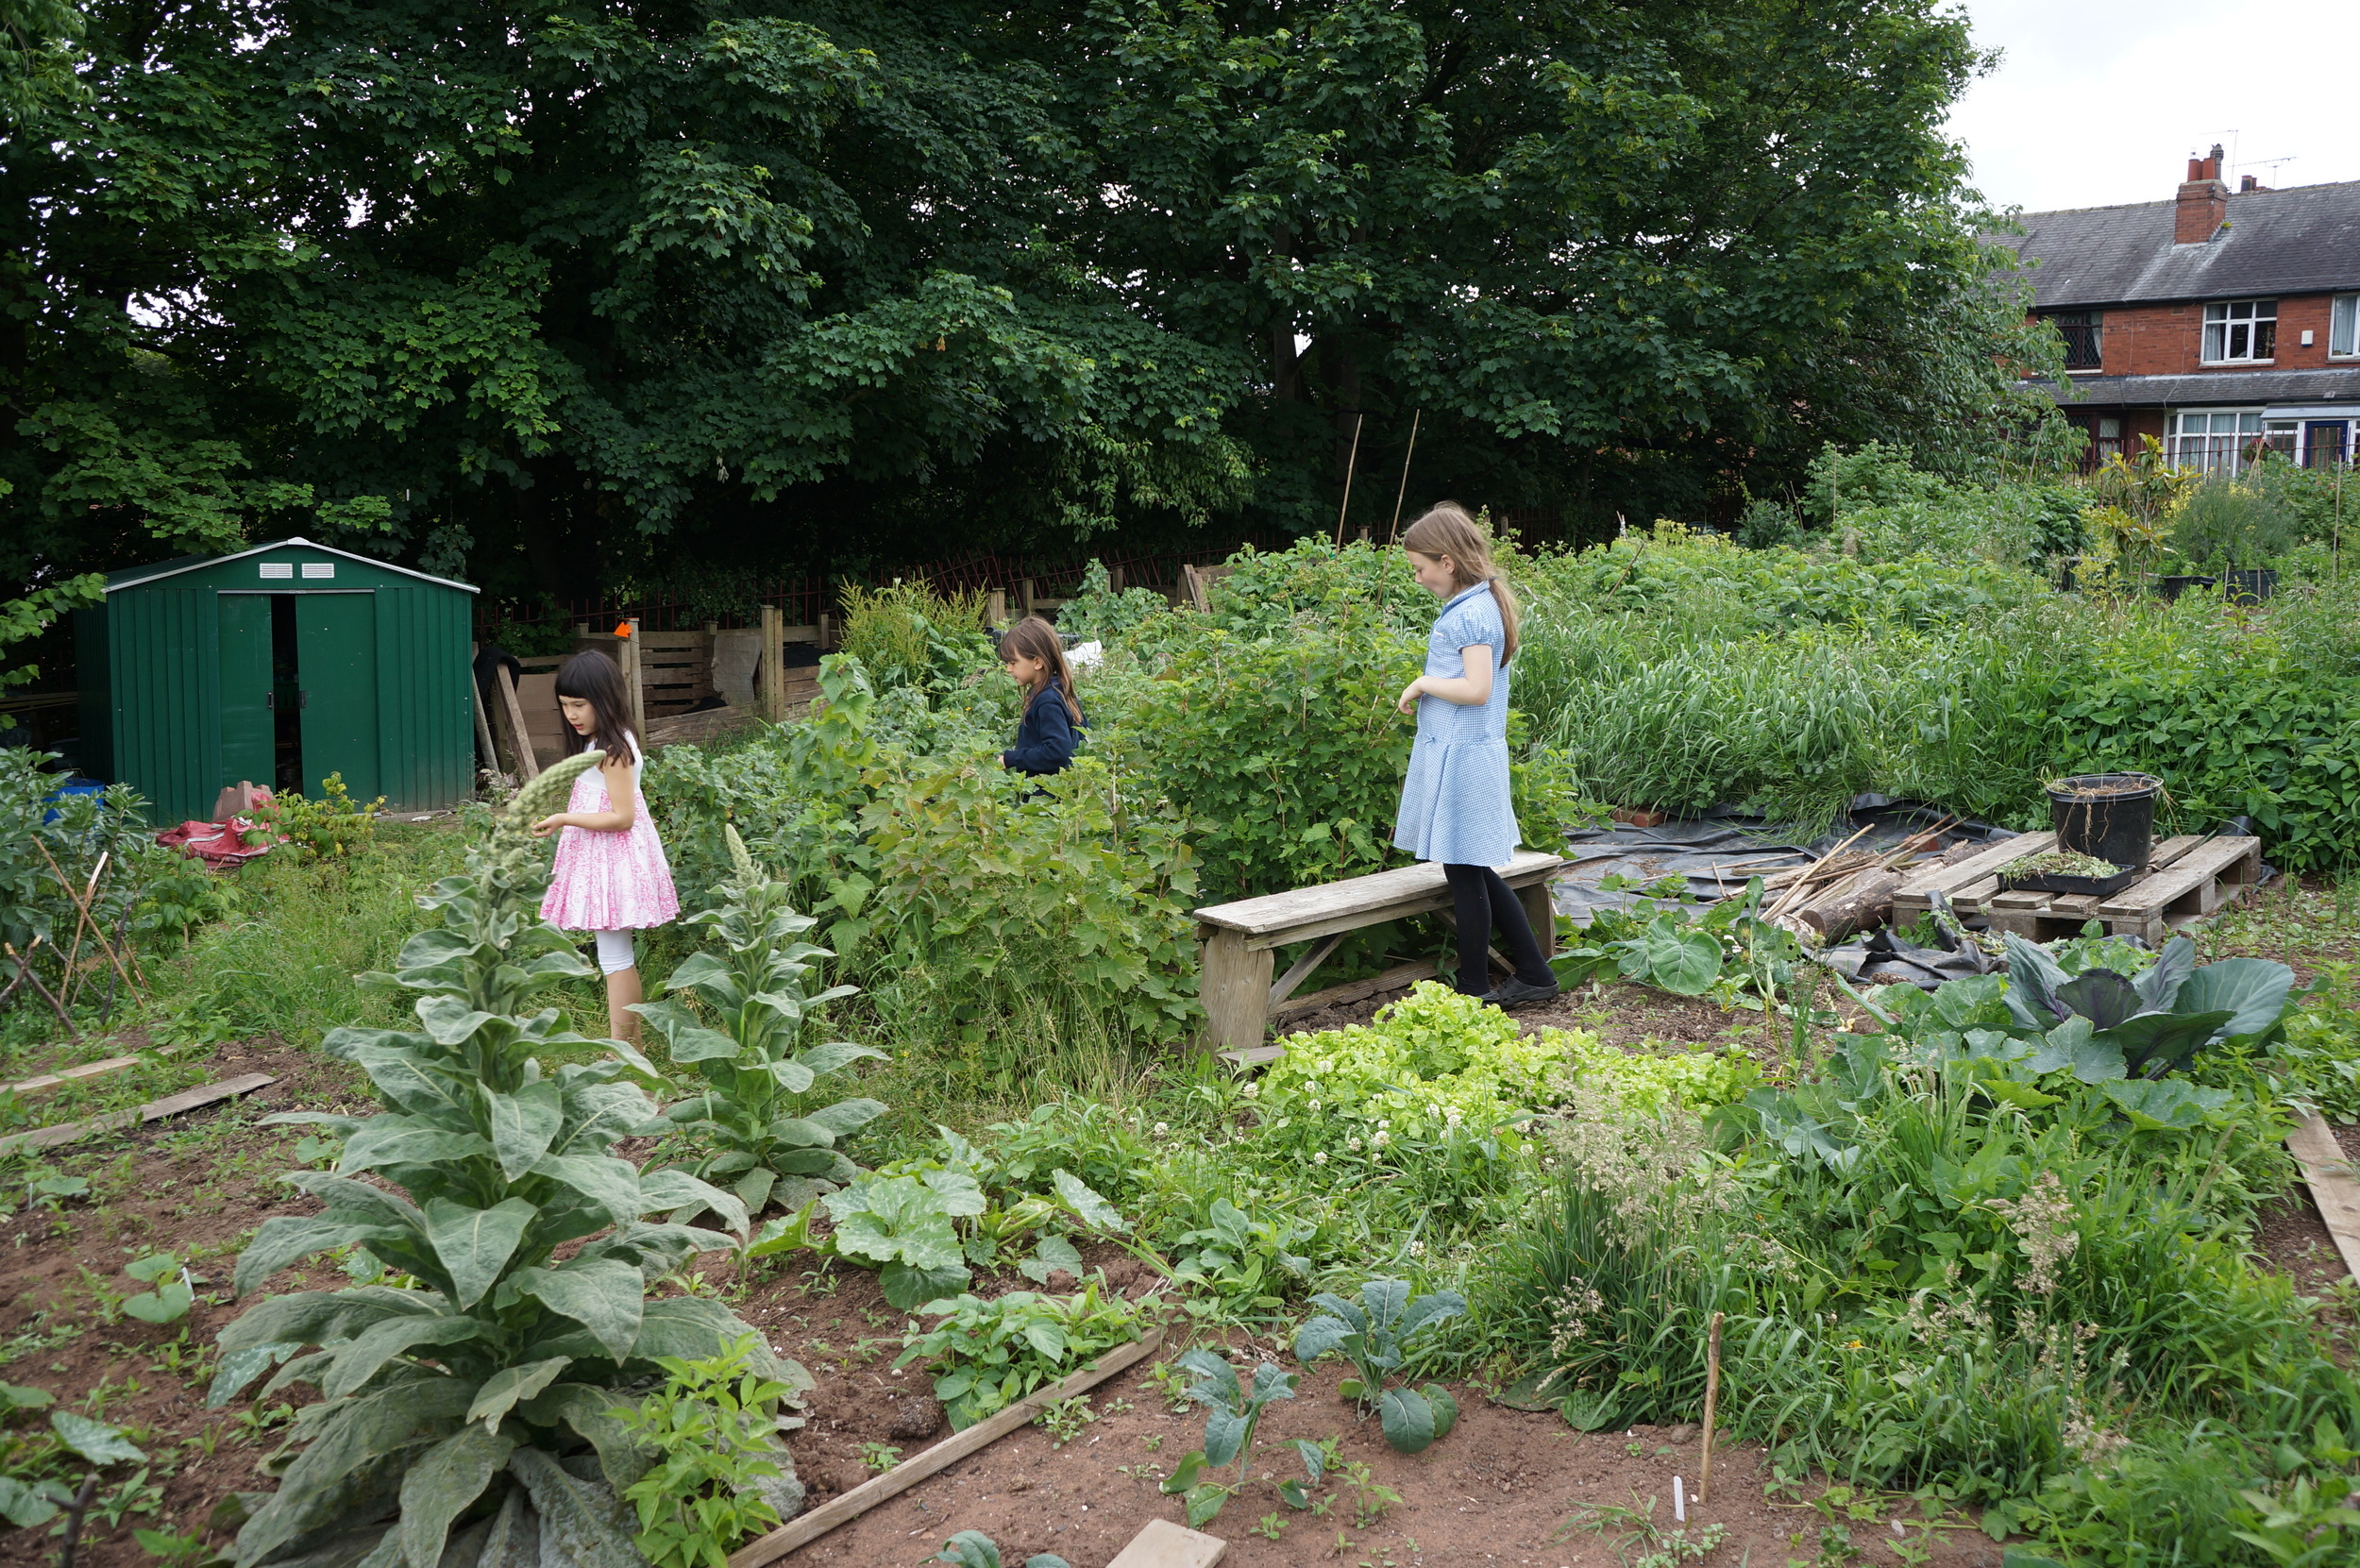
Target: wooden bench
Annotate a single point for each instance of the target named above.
(1238, 939)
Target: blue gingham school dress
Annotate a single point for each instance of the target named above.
(1454, 803)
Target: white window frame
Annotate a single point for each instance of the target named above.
(2343, 326)
(2214, 440)
(2235, 328)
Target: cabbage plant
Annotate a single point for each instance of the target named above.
(487, 1370)
(2157, 1019)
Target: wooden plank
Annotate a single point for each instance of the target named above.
(27, 1088)
(155, 1110)
(2328, 1170)
(1301, 970)
(771, 699)
(1958, 873)
(819, 1520)
(1540, 913)
(2198, 865)
(1303, 906)
(634, 682)
(2170, 851)
(1970, 899)
(1394, 979)
(528, 763)
(1233, 987)
(1165, 1544)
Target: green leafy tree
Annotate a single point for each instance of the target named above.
(520, 291)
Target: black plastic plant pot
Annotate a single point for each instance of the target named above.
(2253, 587)
(2111, 816)
(2172, 587)
(2049, 882)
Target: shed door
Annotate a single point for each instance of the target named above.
(246, 751)
(336, 650)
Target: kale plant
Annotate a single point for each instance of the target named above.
(1371, 1336)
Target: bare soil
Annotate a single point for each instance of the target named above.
(1498, 1490)
(199, 1186)
(1508, 1487)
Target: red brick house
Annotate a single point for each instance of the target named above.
(2212, 322)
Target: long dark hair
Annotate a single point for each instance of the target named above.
(592, 677)
(1447, 531)
(1035, 638)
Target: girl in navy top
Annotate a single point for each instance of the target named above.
(1454, 804)
(1034, 656)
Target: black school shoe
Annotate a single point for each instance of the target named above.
(1512, 992)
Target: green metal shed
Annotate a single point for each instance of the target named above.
(278, 665)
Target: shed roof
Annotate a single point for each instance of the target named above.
(133, 576)
(2303, 240)
(2218, 387)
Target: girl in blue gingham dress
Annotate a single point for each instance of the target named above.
(1455, 805)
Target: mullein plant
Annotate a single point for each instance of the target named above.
(751, 1115)
(484, 1385)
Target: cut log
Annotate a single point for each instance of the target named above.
(1863, 900)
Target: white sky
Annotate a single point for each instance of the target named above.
(2098, 102)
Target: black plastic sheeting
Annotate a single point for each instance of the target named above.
(1881, 958)
(1718, 853)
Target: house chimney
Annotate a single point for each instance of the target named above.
(2203, 201)
(2248, 182)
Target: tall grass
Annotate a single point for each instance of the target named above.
(1889, 1321)
(1695, 675)
(288, 960)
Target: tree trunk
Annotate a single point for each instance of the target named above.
(1862, 900)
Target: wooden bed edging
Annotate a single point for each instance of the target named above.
(2328, 1170)
(810, 1527)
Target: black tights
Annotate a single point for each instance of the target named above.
(1484, 901)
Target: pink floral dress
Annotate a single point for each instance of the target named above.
(610, 880)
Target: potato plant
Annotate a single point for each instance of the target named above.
(491, 1361)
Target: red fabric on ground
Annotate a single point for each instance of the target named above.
(217, 844)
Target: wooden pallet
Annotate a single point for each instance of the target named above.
(2187, 880)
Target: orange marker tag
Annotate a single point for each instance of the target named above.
(622, 628)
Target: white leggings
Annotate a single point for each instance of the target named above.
(615, 951)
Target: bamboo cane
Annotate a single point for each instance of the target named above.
(82, 906)
(1713, 1402)
(1350, 464)
(1399, 495)
(25, 971)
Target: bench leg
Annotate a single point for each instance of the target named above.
(1541, 914)
(1235, 988)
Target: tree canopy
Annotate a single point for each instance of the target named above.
(550, 295)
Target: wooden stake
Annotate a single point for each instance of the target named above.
(484, 727)
(1713, 1402)
(25, 971)
(1404, 491)
(527, 765)
(81, 904)
(1350, 464)
(634, 683)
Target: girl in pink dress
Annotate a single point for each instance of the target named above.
(611, 877)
